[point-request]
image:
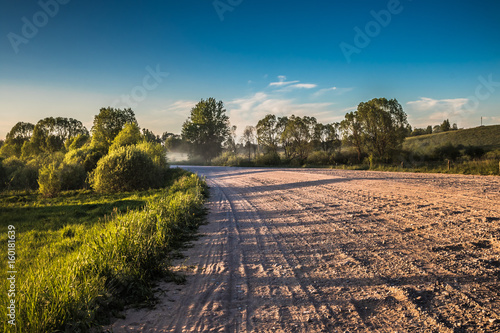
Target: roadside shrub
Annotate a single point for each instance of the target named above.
(126, 169)
(447, 152)
(318, 158)
(156, 151)
(227, 159)
(268, 159)
(474, 152)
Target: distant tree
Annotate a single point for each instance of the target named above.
(428, 130)
(50, 134)
(384, 125)
(248, 139)
(207, 128)
(17, 136)
(231, 140)
(454, 127)
(267, 133)
(326, 137)
(445, 126)
(107, 124)
(352, 132)
(297, 136)
(149, 136)
(436, 129)
(419, 131)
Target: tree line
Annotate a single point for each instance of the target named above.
(377, 129)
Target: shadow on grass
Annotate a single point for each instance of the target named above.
(56, 217)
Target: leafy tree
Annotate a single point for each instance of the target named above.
(17, 136)
(231, 140)
(352, 131)
(445, 126)
(384, 126)
(428, 130)
(207, 128)
(149, 136)
(267, 133)
(298, 134)
(50, 134)
(248, 139)
(107, 124)
(326, 137)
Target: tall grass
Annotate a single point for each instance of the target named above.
(90, 271)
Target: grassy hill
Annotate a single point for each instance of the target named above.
(487, 137)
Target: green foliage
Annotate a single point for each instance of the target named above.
(54, 178)
(88, 259)
(50, 134)
(107, 124)
(20, 175)
(268, 159)
(228, 158)
(319, 158)
(127, 169)
(77, 142)
(17, 136)
(207, 128)
(156, 152)
(267, 133)
(129, 135)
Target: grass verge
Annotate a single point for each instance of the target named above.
(75, 267)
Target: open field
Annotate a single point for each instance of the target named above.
(304, 250)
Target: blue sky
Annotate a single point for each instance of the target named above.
(70, 58)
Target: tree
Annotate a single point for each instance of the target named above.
(326, 137)
(248, 139)
(297, 137)
(17, 136)
(352, 132)
(445, 126)
(107, 124)
(207, 128)
(384, 126)
(149, 136)
(267, 133)
(231, 140)
(50, 134)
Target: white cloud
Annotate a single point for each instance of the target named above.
(338, 91)
(249, 110)
(303, 86)
(282, 82)
(429, 111)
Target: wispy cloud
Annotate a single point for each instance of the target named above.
(281, 82)
(338, 91)
(249, 110)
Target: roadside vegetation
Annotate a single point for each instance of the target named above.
(375, 136)
(97, 217)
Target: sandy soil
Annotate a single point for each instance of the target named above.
(305, 250)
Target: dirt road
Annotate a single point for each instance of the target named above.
(306, 250)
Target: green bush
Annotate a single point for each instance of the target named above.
(85, 156)
(129, 135)
(227, 159)
(268, 159)
(127, 169)
(49, 181)
(156, 151)
(318, 158)
(20, 175)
